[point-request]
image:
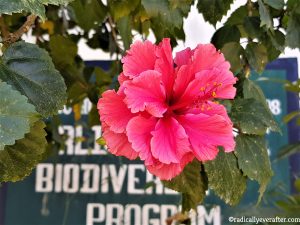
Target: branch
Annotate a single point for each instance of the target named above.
(114, 35)
(13, 37)
(3, 28)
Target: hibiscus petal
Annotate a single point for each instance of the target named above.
(113, 111)
(211, 108)
(164, 64)
(118, 144)
(146, 92)
(217, 83)
(139, 58)
(207, 57)
(169, 171)
(169, 142)
(183, 57)
(139, 135)
(183, 78)
(207, 85)
(206, 133)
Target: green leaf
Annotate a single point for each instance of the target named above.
(62, 46)
(160, 10)
(293, 31)
(276, 4)
(88, 14)
(232, 52)
(213, 10)
(251, 117)
(288, 150)
(17, 161)
(118, 9)
(124, 26)
(252, 90)
(30, 70)
(225, 178)
(224, 35)
(252, 27)
(35, 7)
(257, 56)
(16, 115)
(192, 183)
(253, 160)
(265, 17)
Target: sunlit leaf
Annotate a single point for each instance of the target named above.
(30, 70)
(225, 178)
(16, 115)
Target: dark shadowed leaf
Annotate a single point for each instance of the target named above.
(192, 183)
(232, 52)
(257, 56)
(224, 35)
(293, 31)
(18, 160)
(213, 10)
(89, 14)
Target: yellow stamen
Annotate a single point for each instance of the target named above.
(202, 88)
(215, 83)
(214, 94)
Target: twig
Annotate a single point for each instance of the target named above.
(114, 35)
(4, 30)
(13, 37)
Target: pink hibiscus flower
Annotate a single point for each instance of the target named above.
(164, 111)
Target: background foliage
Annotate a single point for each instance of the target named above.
(36, 80)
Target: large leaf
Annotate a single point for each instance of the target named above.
(276, 4)
(253, 159)
(252, 90)
(252, 117)
(119, 9)
(16, 115)
(265, 17)
(232, 52)
(293, 31)
(225, 178)
(224, 35)
(191, 183)
(62, 46)
(257, 56)
(213, 10)
(35, 7)
(30, 70)
(124, 26)
(89, 14)
(17, 161)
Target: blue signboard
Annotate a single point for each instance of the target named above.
(83, 184)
